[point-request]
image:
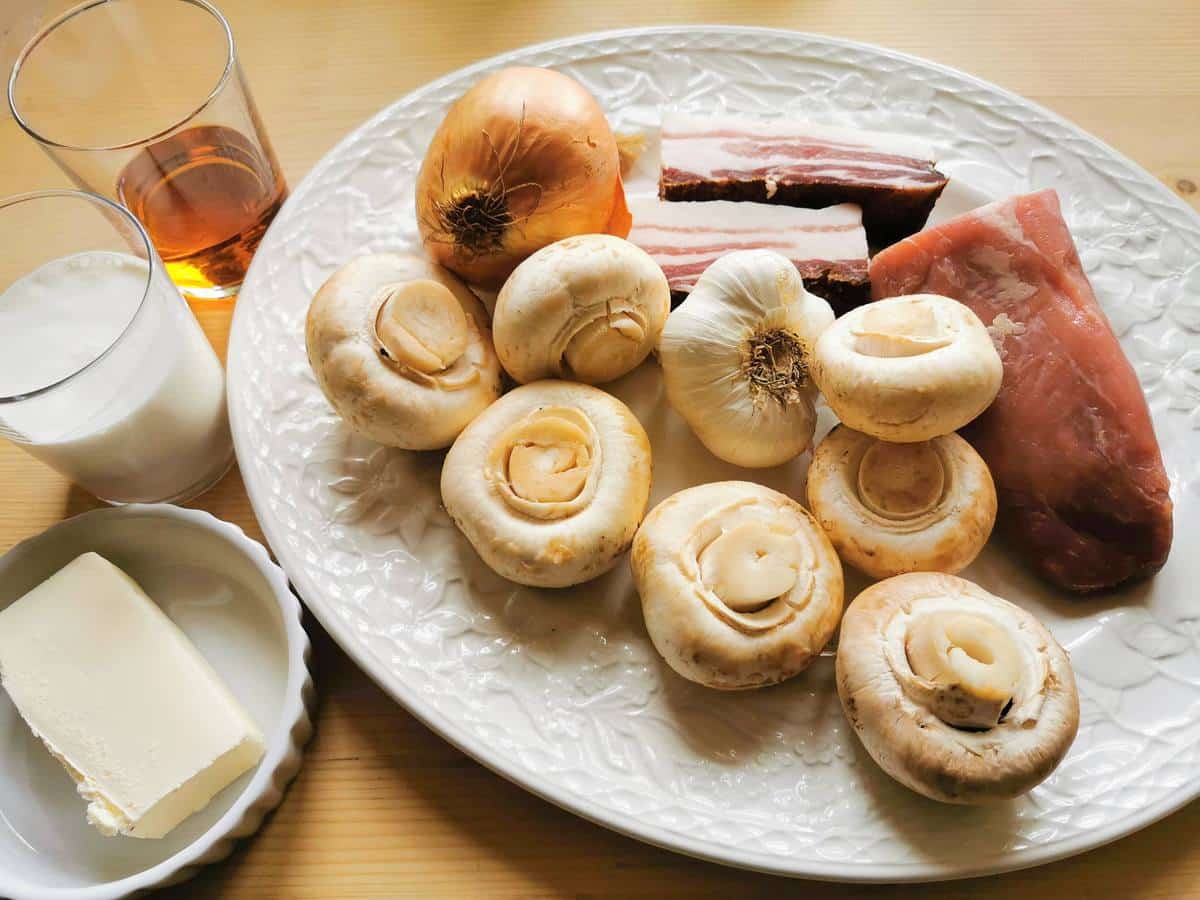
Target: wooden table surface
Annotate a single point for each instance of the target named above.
(384, 807)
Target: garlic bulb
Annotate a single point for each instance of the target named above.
(892, 508)
(402, 350)
(586, 308)
(956, 693)
(739, 586)
(549, 483)
(736, 354)
(907, 368)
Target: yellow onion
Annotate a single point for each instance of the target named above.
(523, 159)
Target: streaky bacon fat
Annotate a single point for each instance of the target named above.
(828, 246)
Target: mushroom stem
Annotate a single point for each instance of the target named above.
(549, 460)
(972, 665)
(905, 329)
(750, 565)
(421, 326)
(545, 464)
(614, 342)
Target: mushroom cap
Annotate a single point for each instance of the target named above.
(748, 309)
(708, 562)
(376, 397)
(907, 368)
(549, 483)
(890, 708)
(587, 308)
(895, 508)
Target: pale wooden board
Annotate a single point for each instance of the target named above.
(383, 807)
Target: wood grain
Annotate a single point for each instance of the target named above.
(385, 808)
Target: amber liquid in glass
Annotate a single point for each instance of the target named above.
(206, 196)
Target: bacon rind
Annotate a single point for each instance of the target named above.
(891, 177)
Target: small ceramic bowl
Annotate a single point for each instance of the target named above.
(222, 589)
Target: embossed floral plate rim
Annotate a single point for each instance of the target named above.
(765, 41)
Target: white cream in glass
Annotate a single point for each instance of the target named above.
(104, 372)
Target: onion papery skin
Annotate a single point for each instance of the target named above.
(523, 159)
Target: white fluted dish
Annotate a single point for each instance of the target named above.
(234, 603)
(562, 692)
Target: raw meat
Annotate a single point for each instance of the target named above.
(891, 176)
(828, 246)
(1069, 439)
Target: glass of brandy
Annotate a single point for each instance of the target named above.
(144, 102)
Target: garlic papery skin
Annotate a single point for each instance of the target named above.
(928, 506)
(739, 586)
(402, 350)
(736, 354)
(586, 308)
(550, 483)
(956, 693)
(907, 369)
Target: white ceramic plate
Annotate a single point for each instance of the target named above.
(222, 589)
(562, 692)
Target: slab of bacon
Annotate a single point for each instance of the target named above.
(828, 246)
(1069, 439)
(891, 176)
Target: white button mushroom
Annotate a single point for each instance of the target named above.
(893, 508)
(955, 693)
(739, 586)
(587, 308)
(736, 354)
(908, 368)
(402, 350)
(549, 483)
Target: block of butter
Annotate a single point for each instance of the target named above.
(122, 699)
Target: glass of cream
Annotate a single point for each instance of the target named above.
(105, 374)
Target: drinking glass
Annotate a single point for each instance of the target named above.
(104, 372)
(144, 102)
